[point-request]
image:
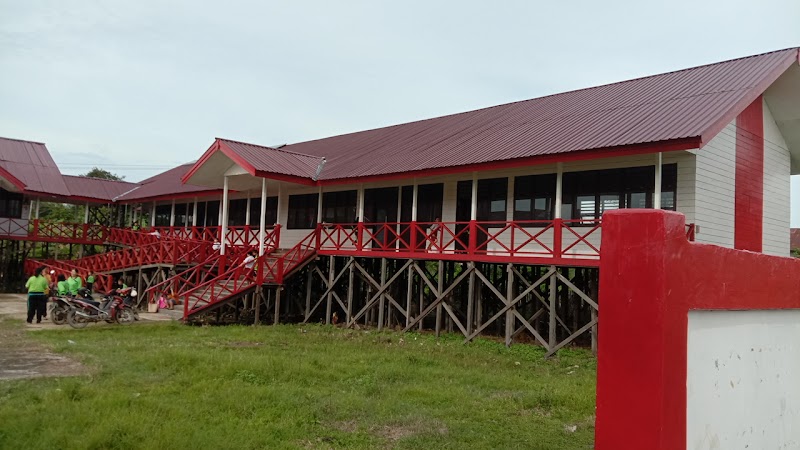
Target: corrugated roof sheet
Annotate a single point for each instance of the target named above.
(31, 163)
(690, 103)
(275, 160)
(97, 188)
(163, 185)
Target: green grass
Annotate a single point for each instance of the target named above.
(171, 386)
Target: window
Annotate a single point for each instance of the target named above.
(237, 212)
(163, 213)
(587, 195)
(339, 207)
(534, 196)
(180, 214)
(10, 204)
(429, 202)
(212, 214)
(492, 195)
(272, 211)
(302, 212)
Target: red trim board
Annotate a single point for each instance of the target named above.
(749, 180)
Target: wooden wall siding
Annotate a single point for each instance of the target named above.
(776, 189)
(715, 189)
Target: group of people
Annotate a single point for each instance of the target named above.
(40, 285)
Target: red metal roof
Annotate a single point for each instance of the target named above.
(31, 167)
(274, 160)
(164, 185)
(686, 107)
(96, 188)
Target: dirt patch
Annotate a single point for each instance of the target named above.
(396, 431)
(244, 344)
(20, 357)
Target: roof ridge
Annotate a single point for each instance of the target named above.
(487, 108)
(273, 148)
(101, 179)
(22, 140)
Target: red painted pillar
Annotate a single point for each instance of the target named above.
(558, 236)
(641, 361)
(473, 237)
(360, 237)
(413, 237)
(749, 180)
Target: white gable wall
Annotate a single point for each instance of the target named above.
(715, 188)
(776, 189)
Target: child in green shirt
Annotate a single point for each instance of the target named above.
(90, 281)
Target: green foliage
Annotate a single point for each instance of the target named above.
(796, 252)
(173, 386)
(97, 172)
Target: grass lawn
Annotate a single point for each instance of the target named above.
(172, 386)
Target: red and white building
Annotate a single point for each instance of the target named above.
(525, 183)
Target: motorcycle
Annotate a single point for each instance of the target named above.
(112, 309)
(60, 306)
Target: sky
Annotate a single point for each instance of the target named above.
(139, 87)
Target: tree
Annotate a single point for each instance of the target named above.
(97, 172)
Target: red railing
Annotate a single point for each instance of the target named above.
(567, 239)
(102, 283)
(237, 279)
(238, 236)
(57, 231)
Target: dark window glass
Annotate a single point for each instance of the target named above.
(380, 205)
(255, 211)
(163, 213)
(429, 202)
(237, 212)
(302, 212)
(407, 202)
(10, 204)
(212, 213)
(492, 195)
(180, 214)
(534, 197)
(339, 207)
(587, 195)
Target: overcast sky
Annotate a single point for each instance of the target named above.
(137, 86)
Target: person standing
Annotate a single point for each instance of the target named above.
(90, 281)
(249, 264)
(74, 282)
(37, 295)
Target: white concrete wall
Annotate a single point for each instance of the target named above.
(776, 189)
(742, 380)
(715, 173)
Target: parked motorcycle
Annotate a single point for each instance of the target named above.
(112, 309)
(59, 308)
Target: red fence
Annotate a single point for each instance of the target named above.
(238, 236)
(562, 240)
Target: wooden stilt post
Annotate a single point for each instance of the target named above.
(421, 296)
(277, 318)
(509, 299)
(470, 297)
(382, 301)
(350, 281)
(552, 339)
(329, 300)
(257, 299)
(439, 287)
(309, 279)
(409, 294)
